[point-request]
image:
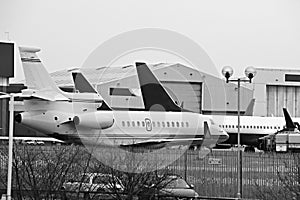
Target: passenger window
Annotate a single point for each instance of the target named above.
(132, 124)
(163, 124)
(260, 127)
(143, 124)
(168, 124)
(173, 124)
(264, 127)
(158, 124)
(128, 123)
(182, 124)
(177, 124)
(123, 123)
(187, 124)
(138, 123)
(247, 126)
(229, 126)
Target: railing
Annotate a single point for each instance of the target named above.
(215, 175)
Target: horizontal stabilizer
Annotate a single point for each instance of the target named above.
(155, 97)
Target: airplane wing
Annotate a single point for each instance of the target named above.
(47, 95)
(158, 143)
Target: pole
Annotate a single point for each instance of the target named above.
(10, 146)
(239, 165)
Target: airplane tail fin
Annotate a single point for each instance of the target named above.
(288, 120)
(36, 76)
(207, 133)
(82, 85)
(249, 110)
(155, 97)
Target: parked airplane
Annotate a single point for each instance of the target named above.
(252, 128)
(85, 117)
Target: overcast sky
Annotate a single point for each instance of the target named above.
(232, 32)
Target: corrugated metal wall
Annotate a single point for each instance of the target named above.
(188, 93)
(279, 97)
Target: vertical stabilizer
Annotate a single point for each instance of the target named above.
(36, 76)
(249, 110)
(288, 120)
(155, 97)
(82, 85)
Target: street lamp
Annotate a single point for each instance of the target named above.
(10, 141)
(250, 72)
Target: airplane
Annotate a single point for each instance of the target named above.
(84, 117)
(252, 128)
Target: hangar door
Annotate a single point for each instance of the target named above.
(279, 97)
(188, 93)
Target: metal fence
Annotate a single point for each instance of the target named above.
(215, 175)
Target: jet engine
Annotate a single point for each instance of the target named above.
(95, 120)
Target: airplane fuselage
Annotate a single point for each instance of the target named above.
(56, 118)
(251, 127)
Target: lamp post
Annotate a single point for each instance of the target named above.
(250, 72)
(10, 142)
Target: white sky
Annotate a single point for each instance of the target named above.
(261, 33)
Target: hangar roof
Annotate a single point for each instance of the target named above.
(107, 74)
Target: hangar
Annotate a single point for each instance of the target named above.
(275, 89)
(191, 88)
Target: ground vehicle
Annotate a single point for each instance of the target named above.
(90, 185)
(173, 187)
